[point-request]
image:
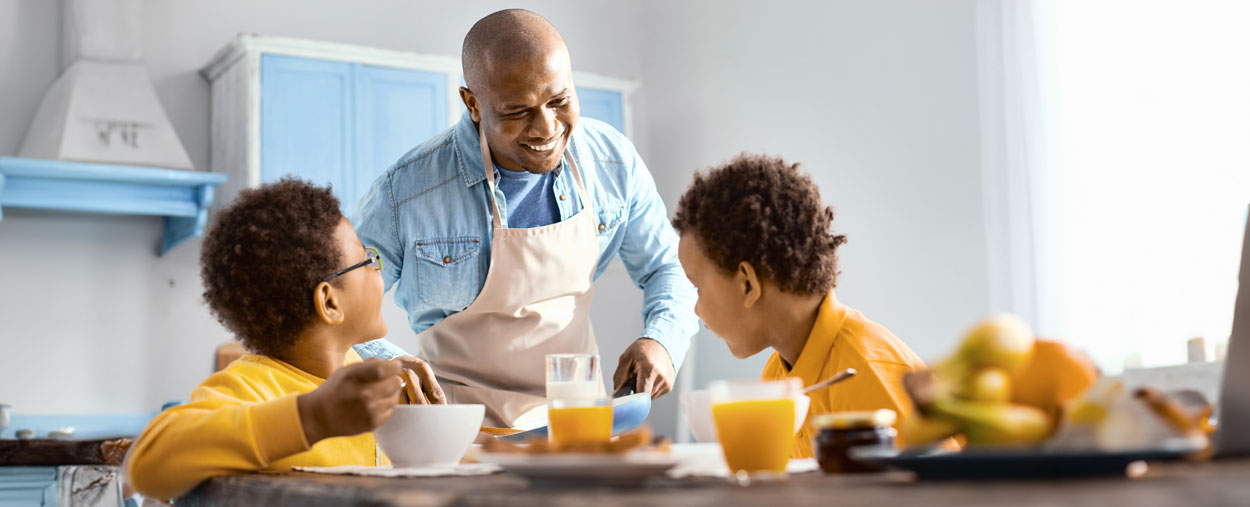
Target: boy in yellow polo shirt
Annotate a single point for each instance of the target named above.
(757, 243)
(284, 271)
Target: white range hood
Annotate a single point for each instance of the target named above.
(103, 107)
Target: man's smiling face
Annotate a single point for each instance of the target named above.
(528, 109)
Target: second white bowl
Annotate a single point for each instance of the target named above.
(696, 406)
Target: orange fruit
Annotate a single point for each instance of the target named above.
(1053, 375)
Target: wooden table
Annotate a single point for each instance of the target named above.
(1222, 483)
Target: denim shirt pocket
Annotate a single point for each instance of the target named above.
(608, 218)
(447, 271)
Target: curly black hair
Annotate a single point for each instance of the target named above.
(764, 211)
(263, 257)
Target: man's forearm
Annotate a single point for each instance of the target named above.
(668, 313)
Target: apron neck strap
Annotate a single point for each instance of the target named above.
(490, 177)
(580, 187)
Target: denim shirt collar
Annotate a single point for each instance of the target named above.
(469, 149)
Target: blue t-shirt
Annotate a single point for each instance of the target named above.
(530, 198)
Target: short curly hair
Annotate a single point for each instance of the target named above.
(764, 211)
(263, 257)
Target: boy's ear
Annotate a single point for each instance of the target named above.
(749, 284)
(471, 103)
(329, 308)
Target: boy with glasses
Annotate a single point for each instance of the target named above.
(285, 272)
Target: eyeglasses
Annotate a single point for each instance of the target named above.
(375, 260)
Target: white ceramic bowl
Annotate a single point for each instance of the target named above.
(697, 407)
(421, 435)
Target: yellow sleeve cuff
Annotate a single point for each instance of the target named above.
(277, 429)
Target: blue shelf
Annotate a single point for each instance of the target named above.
(86, 426)
(182, 197)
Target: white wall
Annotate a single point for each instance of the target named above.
(877, 98)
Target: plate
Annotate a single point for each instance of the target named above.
(1015, 464)
(628, 412)
(628, 469)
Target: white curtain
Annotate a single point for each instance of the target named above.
(1013, 154)
(1116, 169)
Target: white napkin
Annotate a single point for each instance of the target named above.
(684, 470)
(387, 471)
(706, 460)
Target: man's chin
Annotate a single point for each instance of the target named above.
(543, 166)
(540, 164)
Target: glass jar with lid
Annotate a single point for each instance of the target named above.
(839, 432)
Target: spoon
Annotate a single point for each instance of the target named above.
(842, 375)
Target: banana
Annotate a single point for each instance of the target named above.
(917, 429)
(995, 423)
(991, 385)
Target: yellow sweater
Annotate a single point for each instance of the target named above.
(241, 419)
(843, 338)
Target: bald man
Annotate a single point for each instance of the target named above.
(495, 230)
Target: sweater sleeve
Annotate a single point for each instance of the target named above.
(227, 428)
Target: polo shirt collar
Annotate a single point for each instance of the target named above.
(820, 342)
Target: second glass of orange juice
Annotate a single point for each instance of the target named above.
(755, 425)
(577, 409)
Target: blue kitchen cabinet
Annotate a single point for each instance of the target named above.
(341, 123)
(333, 114)
(398, 109)
(306, 121)
(603, 105)
(28, 486)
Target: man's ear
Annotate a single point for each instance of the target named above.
(471, 103)
(749, 282)
(329, 308)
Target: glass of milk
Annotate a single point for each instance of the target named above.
(573, 377)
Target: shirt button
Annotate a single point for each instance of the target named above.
(446, 260)
(561, 197)
(601, 227)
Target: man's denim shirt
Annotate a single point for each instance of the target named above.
(429, 217)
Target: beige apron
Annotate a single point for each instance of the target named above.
(535, 301)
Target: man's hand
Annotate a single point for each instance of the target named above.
(647, 363)
(355, 399)
(426, 390)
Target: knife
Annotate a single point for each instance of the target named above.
(626, 389)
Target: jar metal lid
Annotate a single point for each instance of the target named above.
(855, 420)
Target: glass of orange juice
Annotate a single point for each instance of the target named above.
(578, 411)
(579, 421)
(755, 425)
